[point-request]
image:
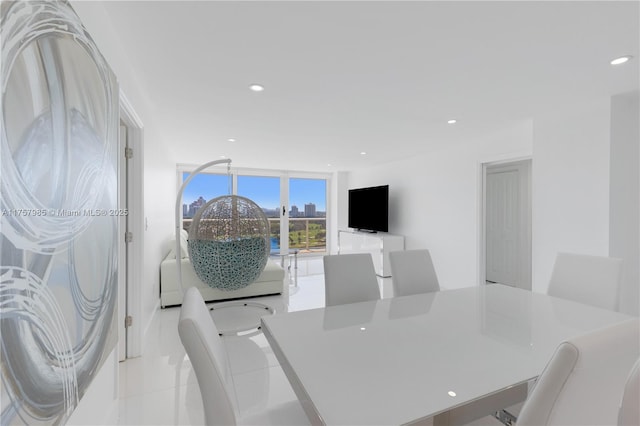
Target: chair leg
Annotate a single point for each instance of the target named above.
(505, 417)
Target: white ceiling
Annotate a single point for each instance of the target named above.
(380, 77)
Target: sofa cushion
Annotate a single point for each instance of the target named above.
(272, 272)
(270, 281)
(184, 250)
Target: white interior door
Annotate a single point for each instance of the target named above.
(508, 224)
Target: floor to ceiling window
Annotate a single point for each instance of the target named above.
(202, 188)
(294, 203)
(308, 215)
(265, 192)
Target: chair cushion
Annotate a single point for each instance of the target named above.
(629, 413)
(584, 381)
(593, 280)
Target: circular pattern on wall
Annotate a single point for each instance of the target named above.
(59, 186)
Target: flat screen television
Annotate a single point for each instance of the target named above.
(369, 208)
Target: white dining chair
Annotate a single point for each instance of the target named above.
(592, 280)
(629, 412)
(200, 338)
(206, 350)
(584, 382)
(349, 278)
(412, 272)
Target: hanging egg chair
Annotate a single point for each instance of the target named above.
(229, 242)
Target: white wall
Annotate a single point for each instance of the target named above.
(159, 178)
(570, 186)
(338, 217)
(624, 209)
(159, 167)
(434, 199)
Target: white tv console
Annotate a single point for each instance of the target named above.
(379, 244)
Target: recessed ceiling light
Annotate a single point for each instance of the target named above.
(363, 153)
(256, 87)
(451, 393)
(223, 156)
(329, 165)
(452, 121)
(620, 60)
(231, 140)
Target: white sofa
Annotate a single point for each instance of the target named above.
(270, 281)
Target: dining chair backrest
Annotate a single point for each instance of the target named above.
(629, 412)
(584, 381)
(592, 280)
(203, 344)
(412, 272)
(349, 278)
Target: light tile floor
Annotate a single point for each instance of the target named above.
(160, 387)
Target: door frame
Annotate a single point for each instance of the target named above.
(482, 214)
(135, 252)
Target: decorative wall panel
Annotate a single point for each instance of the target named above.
(59, 224)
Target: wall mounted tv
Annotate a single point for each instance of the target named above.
(369, 208)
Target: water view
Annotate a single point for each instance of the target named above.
(307, 206)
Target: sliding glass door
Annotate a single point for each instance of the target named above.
(202, 188)
(308, 215)
(265, 192)
(295, 204)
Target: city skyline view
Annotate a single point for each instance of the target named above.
(263, 190)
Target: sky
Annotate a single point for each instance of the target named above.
(264, 191)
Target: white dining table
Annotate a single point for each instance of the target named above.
(407, 359)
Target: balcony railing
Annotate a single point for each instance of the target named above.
(306, 234)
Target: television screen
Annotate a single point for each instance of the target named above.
(369, 208)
